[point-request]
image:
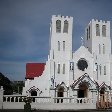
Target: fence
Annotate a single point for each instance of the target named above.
(48, 103)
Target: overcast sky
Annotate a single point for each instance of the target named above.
(24, 29)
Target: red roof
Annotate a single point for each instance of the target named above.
(34, 70)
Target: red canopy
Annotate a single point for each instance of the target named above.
(34, 70)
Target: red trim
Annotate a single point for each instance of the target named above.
(34, 70)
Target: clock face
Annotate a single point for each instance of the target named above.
(82, 64)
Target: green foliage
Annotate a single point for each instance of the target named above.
(27, 107)
(27, 99)
(10, 87)
(6, 83)
(17, 86)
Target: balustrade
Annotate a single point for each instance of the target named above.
(41, 99)
(84, 100)
(13, 98)
(35, 99)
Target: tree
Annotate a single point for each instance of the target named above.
(17, 86)
(6, 83)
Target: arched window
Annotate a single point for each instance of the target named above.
(65, 30)
(58, 68)
(97, 30)
(71, 65)
(103, 49)
(63, 45)
(58, 45)
(104, 70)
(63, 68)
(58, 26)
(99, 49)
(100, 69)
(87, 34)
(104, 30)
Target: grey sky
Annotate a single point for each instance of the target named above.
(24, 28)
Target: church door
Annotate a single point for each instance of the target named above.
(83, 91)
(60, 93)
(102, 97)
(33, 93)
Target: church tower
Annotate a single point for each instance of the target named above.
(97, 41)
(60, 48)
(61, 36)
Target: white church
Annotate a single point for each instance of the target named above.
(84, 73)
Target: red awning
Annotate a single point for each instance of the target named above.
(34, 70)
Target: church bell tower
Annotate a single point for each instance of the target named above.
(97, 41)
(61, 36)
(60, 48)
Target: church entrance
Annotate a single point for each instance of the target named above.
(33, 93)
(103, 99)
(60, 93)
(83, 91)
(102, 95)
(102, 103)
(80, 93)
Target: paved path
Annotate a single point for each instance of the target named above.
(58, 111)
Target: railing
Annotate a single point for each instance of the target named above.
(13, 98)
(85, 100)
(53, 103)
(73, 100)
(41, 99)
(63, 100)
(35, 99)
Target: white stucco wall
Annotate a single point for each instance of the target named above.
(55, 57)
(93, 43)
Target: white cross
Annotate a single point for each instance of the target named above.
(82, 41)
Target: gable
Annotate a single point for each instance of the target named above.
(105, 86)
(84, 79)
(33, 88)
(82, 52)
(62, 85)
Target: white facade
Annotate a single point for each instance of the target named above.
(99, 44)
(80, 74)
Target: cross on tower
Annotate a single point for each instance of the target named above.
(82, 41)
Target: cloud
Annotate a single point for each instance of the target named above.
(24, 27)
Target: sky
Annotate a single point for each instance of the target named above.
(25, 24)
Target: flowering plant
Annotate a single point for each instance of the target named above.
(27, 99)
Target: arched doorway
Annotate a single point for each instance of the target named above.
(33, 93)
(102, 95)
(83, 90)
(102, 91)
(103, 100)
(60, 93)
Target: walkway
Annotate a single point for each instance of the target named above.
(58, 111)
